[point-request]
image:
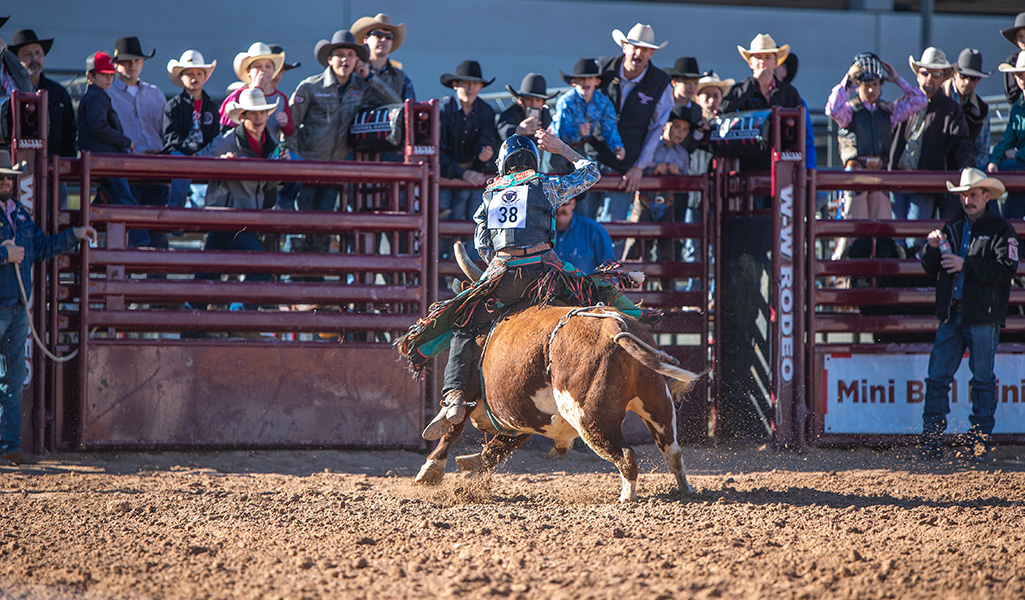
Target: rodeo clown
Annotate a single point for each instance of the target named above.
(515, 234)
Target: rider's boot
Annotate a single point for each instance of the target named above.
(453, 412)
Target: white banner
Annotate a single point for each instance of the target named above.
(885, 393)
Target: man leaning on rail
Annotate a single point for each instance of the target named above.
(973, 257)
(23, 244)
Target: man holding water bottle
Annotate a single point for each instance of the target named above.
(973, 257)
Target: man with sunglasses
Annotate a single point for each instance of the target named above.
(933, 139)
(961, 87)
(383, 38)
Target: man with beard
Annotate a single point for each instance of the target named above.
(13, 78)
(23, 244)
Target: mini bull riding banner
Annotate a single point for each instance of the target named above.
(884, 394)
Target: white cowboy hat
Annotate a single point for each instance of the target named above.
(257, 51)
(6, 168)
(711, 79)
(191, 59)
(764, 44)
(974, 178)
(1017, 67)
(639, 35)
(932, 58)
(364, 25)
(251, 99)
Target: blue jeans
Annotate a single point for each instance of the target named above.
(458, 202)
(1014, 205)
(615, 206)
(153, 195)
(952, 338)
(14, 325)
(119, 192)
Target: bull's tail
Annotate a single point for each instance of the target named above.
(680, 380)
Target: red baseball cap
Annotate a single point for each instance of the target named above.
(101, 62)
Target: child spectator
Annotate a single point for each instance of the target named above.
(259, 67)
(528, 113)
(190, 118)
(468, 137)
(99, 130)
(585, 116)
(1015, 35)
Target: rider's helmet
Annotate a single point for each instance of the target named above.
(866, 68)
(518, 153)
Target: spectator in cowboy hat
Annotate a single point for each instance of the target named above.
(99, 130)
(932, 139)
(961, 87)
(383, 38)
(140, 107)
(24, 245)
(190, 119)
(764, 88)
(973, 258)
(31, 52)
(324, 107)
(530, 98)
(1016, 35)
(13, 77)
(642, 96)
(1009, 153)
(685, 75)
(710, 92)
(259, 66)
(468, 138)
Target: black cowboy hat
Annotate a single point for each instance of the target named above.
(532, 86)
(1011, 34)
(691, 114)
(23, 38)
(276, 49)
(969, 63)
(686, 66)
(791, 63)
(341, 39)
(129, 48)
(588, 67)
(468, 70)
(4, 20)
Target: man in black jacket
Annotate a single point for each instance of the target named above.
(973, 258)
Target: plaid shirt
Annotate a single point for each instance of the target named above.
(912, 101)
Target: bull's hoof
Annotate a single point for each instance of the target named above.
(470, 463)
(431, 473)
(557, 452)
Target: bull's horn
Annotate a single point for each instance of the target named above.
(466, 263)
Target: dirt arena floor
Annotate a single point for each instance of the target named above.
(333, 524)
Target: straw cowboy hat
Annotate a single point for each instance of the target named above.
(23, 38)
(932, 59)
(255, 52)
(639, 35)
(468, 70)
(973, 178)
(1011, 34)
(969, 63)
(710, 79)
(588, 67)
(6, 168)
(129, 48)
(364, 25)
(341, 39)
(764, 44)
(532, 86)
(1017, 67)
(191, 59)
(251, 99)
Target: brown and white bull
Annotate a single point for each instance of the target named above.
(562, 372)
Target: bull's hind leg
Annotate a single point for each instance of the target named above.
(608, 443)
(660, 419)
(433, 469)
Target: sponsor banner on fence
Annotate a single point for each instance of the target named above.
(884, 393)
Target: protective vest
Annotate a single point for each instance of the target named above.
(519, 215)
(868, 133)
(637, 109)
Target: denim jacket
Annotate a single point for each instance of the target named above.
(38, 246)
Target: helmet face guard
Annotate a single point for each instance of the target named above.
(518, 153)
(871, 68)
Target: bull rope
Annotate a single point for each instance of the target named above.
(579, 312)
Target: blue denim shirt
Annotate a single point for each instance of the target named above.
(585, 244)
(38, 246)
(571, 111)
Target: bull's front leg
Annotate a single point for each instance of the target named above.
(493, 453)
(433, 469)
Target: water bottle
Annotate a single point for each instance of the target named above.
(945, 247)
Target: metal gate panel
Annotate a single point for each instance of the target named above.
(255, 394)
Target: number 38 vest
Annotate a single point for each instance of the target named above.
(519, 215)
